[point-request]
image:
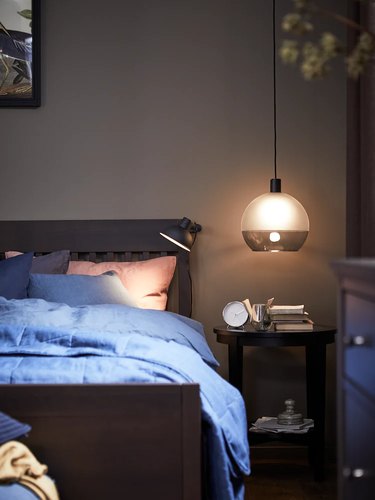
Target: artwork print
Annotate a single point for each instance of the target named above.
(19, 53)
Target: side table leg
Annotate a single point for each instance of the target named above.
(235, 361)
(316, 400)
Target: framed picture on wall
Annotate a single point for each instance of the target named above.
(20, 53)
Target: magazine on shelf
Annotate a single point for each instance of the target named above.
(270, 424)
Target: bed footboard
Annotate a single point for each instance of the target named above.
(133, 441)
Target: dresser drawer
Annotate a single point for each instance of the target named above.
(359, 341)
(357, 466)
(355, 379)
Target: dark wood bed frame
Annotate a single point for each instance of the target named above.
(117, 441)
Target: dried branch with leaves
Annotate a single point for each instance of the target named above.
(314, 58)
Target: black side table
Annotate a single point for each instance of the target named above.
(315, 350)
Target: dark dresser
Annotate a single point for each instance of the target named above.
(356, 379)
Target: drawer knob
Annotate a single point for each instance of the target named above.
(357, 473)
(356, 341)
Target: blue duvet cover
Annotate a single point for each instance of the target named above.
(45, 342)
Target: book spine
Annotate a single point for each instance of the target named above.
(289, 317)
(286, 311)
(279, 309)
(294, 327)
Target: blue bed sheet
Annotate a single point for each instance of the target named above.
(43, 342)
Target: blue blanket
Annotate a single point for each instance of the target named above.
(43, 342)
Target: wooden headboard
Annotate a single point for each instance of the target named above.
(104, 240)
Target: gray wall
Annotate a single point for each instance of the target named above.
(155, 109)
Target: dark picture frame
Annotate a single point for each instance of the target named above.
(20, 45)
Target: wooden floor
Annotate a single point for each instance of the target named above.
(288, 481)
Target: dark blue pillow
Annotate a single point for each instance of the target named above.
(14, 276)
(80, 290)
(51, 263)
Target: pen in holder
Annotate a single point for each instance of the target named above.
(260, 318)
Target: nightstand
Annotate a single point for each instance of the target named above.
(315, 343)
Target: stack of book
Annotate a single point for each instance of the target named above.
(290, 318)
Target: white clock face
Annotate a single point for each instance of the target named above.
(235, 314)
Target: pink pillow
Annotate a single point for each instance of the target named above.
(147, 280)
(10, 254)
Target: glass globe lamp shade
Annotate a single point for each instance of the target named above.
(275, 222)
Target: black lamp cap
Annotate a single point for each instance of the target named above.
(192, 227)
(275, 185)
(184, 223)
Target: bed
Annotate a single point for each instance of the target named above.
(157, 435)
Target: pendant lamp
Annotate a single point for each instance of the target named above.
(275, 221)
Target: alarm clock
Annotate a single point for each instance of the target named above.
(235, 314)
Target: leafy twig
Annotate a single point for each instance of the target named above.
(27, 14)
(314, 58)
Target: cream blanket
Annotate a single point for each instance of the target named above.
(17, 463)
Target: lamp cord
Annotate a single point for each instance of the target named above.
(274, 88)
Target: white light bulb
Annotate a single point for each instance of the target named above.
(275, 236)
